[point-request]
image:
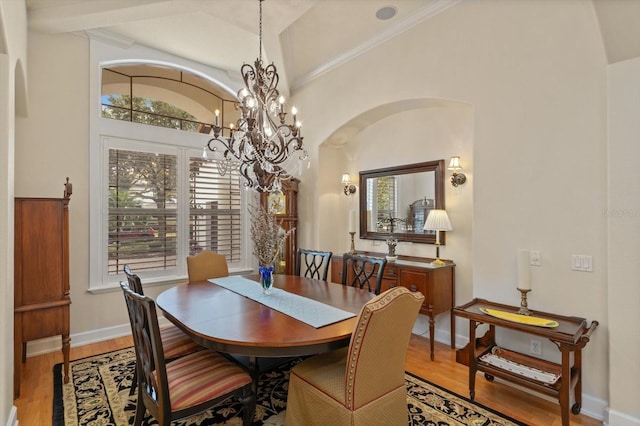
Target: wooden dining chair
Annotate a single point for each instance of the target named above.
(313, 263)
(205, 265)
(364, 383)
(360, 271)
(174, 342)
(187, 385)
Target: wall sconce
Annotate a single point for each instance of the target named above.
(456, 178)
(349, 188)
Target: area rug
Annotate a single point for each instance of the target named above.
(98, 394)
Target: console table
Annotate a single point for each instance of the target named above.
(570, 335)
(436, 283)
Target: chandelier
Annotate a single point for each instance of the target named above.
(262, 147)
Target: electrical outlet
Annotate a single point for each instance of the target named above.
(535, 347)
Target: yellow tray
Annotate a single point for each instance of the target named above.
(522, 319)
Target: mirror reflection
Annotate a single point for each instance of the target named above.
(397, 201)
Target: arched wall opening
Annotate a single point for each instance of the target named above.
(402, 132)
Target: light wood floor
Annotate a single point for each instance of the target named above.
(36, 400)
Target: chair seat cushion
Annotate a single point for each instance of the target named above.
(325, 372)
(202, 376)
(175, 343)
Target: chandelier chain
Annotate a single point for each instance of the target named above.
(260, 35)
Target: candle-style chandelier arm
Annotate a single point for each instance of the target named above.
(263, 147)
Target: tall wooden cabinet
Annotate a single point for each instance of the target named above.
(285, 206)
(41, 275)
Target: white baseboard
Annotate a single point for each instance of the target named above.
(13, 416)
(594, 407)
(52, 344)
(421, 328)
(616, 418)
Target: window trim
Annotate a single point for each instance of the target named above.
(103, 131)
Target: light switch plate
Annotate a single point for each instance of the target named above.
(534, 258)
(582, 262)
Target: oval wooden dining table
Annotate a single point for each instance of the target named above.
(225, 321)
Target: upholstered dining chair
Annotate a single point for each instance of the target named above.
(313, 263)
(205, 265)
(174, 342)
(187, 385)
(360, 271)
(364, 383)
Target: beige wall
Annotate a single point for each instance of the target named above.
(531, 97)
(623, 214)
(537, 146)
(54, 144)
(13, 53)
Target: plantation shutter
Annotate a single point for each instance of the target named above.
(215, 210)
(142, 211)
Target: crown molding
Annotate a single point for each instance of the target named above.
(108, 37)
(398, 28)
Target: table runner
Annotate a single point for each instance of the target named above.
(309, 311)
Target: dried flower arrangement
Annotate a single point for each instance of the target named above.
(267, 235)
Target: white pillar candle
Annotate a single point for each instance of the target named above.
(524, 270)
(352, 221)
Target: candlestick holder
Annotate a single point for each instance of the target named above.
(524, 310)
(353, 245)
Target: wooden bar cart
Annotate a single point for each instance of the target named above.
(569, 334)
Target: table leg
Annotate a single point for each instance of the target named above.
(453, 317)
(472, 359)
(17, 367)
(19, 352)
(577, 365)
(565, 385)
(453, 330)
(254, 372)
(65, 355)
(432, 334)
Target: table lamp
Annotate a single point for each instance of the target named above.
(437, 220)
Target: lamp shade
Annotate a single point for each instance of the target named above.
(346, 178)
(438, 220)
(454, 164)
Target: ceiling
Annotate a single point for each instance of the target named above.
(304, 38)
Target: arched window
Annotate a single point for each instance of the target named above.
(162, 96)
(161, 201)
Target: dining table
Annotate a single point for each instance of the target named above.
(227, 321)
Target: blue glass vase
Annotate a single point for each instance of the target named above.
(266, 278)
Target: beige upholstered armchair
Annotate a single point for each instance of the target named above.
(205, 265)
(364, 383)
